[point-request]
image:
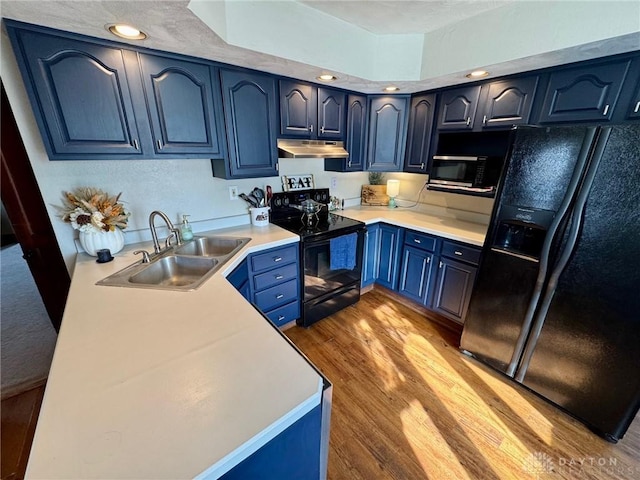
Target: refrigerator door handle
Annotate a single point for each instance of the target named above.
(563, 210)
(577, 218)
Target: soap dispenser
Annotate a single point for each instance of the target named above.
(185, 229)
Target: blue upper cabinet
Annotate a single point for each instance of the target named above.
(458, 108)
(508, 102)
(387, 132)
(251, 121)
(298, 109)
(634, 109)
(80, 96)
(356, 138)
(332, 112)
(421, 114)
(585, 93)
(182, 109)
(307, 111)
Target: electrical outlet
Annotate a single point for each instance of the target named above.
(233, 193)
(334, 182)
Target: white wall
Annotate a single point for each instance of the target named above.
(174, 186)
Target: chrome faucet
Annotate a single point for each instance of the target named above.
(154, 235)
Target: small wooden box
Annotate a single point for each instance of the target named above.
(374, 195)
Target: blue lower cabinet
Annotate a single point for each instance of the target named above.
(239, 278)
(415, 274)
(371, 255)
(272, 297)
(292, 455)
(453, 288)
(390, 242)
(285, 314)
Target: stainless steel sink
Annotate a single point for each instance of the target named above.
(212, 246)
(180, 268)
(175, 271)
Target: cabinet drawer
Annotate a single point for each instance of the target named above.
(275, 276)
(278, 295)
(284, 314)
(274, 258)
(420, 240)
(461, 252)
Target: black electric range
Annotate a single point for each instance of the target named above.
(330, 253)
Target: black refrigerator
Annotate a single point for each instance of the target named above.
(556, 304)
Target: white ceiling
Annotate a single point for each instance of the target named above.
(418, 45)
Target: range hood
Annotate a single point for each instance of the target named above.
(311, 149)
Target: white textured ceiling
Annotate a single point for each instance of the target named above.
(418, 45)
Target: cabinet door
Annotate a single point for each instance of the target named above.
(356, 132)
(250, 117)
(80, 96)
(371, 255)
(415, 274)
(634, 109)
(390, 241)
(583, 94)
(453, 288)
(387, 133)
(458, 108)
(421, 114)
(180, 97)
(509, 102)
(331, 113)
(298, 109)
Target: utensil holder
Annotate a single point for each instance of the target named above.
(259, 216)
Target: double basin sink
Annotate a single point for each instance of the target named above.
(183, 267)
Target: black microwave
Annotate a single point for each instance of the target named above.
(464, 172)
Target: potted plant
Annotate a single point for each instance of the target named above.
(98, 217)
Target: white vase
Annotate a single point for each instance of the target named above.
(94, 241)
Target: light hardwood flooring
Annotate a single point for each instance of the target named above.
(408, 405)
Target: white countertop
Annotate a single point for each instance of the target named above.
(454, 229)
(164, 384)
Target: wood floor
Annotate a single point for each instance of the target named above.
(408, 405)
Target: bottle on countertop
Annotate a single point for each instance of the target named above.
(185, 229)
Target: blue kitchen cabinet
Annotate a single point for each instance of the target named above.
(371, 255)
(239, 278)
(457, 267)
(390, 242)
(307, 111)
(388, 116)
(184, 106)
(356, 138)
(416, 270)
(507, 102)
(586, 93)
(458, 108)
(274, 286)
(634, 108)
(421, 115)
(80, 96)
(251, 121)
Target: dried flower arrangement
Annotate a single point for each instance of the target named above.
(92, 210)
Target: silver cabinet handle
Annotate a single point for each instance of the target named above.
(417, 241)
(322, 129)
(349, 163)
(159, 144)
(135, 144)
(422, 166)
(311, 128)
(279, 277)
(458, 253)
(468, 121)
(277, 259)
(278, 297)
(484, 120)
(637, 109)
(440, 266)
(428, 259)
(606, 109)
(280, 318)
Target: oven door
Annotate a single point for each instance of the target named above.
(332, 267)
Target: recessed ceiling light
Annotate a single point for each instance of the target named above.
(477, 74)
(327, 77)
(126, 31)
(391, 88)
